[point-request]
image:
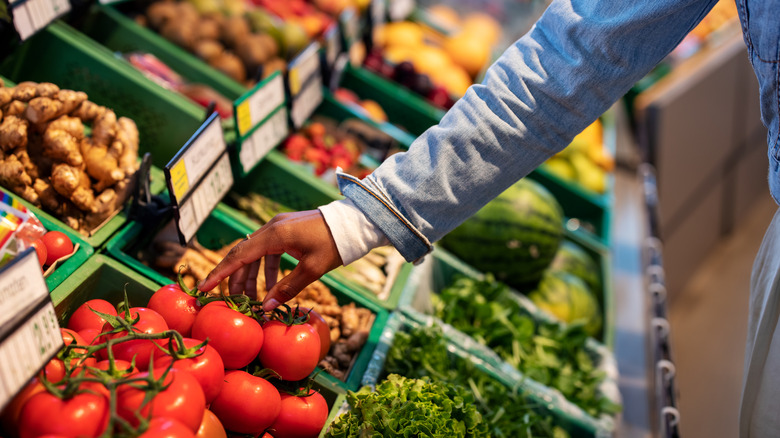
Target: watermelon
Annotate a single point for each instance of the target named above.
(569, 299)
(515, 236)
(573, 259)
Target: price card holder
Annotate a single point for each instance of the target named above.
(304, 82)
(349, 20)
(30, 16)
(333, 46)
(29, 332)
(399, 10)
(198, 177)
(261, 121)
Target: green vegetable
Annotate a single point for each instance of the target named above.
(401, 407)
(551, 354)
(423, 352)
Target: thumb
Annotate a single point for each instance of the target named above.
(288, 287)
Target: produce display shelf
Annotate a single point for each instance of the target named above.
(165, 120)
(83, 249)
(102, 277)
(549, 402)
(220, 229)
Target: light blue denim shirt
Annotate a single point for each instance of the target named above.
(576, 61)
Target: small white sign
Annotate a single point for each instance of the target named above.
(204, 197)
(304, 69)
(350, 22)
(400, 9)
(260, 104)
(196, 157)
(265, 138)
(306, 102)
(378, 12)
(33, 15)
(332, 45)
(27, 349)
(21, 282)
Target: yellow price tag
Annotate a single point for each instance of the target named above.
(244, 117)
(295, 82)
(179, 180)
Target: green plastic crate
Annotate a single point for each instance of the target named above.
(436, 273)
(59, 54)
(220, 229)
(84, 251)
(550, 402)
(165, 120)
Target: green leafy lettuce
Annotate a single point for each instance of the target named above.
(548, 353)
(402, 407)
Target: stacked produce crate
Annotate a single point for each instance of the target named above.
(298, 90)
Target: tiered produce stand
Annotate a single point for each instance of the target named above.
(234, 112)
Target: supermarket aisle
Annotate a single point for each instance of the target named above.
(708, 322)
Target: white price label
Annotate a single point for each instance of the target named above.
(203, 198)
(349, 21)
(259, 104)
(332, 45)
(33, 15)
(196, 157)
(378, 12)
(304, 69)
(306, 102)
(25, 350)
(401, 9)
(21, 282)
(265, 138)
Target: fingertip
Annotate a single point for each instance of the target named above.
(270, 304)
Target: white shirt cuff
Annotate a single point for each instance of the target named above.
(355, 235)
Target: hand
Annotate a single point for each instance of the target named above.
(304, 235)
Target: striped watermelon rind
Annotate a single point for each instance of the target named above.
(573, 259)
(515, 236)
(569, 299)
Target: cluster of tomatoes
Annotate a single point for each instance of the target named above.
(186, 365)
(51, 247)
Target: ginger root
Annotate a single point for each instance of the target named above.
(48, 197)
(74, 184)
(15, 108)
(6, 96)
(25, 91)
(12, 173)
(61, 146)
(88, 111)
(104, 129)
(100, 164)
(13, 133)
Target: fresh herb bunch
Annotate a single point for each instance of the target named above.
(423, 352)
(546, 352)
(410, 407)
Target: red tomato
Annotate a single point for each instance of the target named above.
(69, 337)
(291, 351)
(9, 418)
(121, 367)
(161, 427)
(236, 337)
(84, 414)
(182, 400)
(84, 318)
(211, 427)
(177, 307)
(53, 371)
(318, 322)
(247, 404)
(206, 367)
(58, 245)
(301, 417)
(142, 349)
(40, 249)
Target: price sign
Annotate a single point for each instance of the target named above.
(378, 13)
(305, 84)
(196, 177)
(350, 26)
(332, 45)
(257, 104)
(269, 134)
(30, 16)
(400, 9)
(29, 332)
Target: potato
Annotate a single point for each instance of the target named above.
(235, 30)
(208, 49)
(231, 65)
(253, 52)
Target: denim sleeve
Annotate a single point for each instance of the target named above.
(576, 61)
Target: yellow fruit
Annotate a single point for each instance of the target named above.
(374, 110)
(590, 137)
(483, 27)
(398, 54)
(402, 33)
(470, 53)
(453, 78)
(562, 168)
(589, 175)
(429, 59)
(444, 16)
